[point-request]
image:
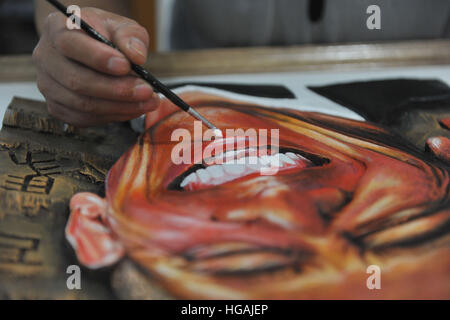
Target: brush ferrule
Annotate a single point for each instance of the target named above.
(199, 117)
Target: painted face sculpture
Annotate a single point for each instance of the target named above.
(348, 196)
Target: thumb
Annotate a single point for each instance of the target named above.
(130, 37)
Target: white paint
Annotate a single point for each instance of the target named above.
(215, 175)
(435, 141)
(203, 175)
(216, 171)
(190, 178)
(286, 159)
(218, 133)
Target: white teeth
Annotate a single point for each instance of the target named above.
(215, 171)
(236, 155)
(189, 179)
(233, 169)
(252, 152)
(286, 159)
(265, 160)
(252, 161)
(229, 155)
(240, 163)
(273, 160)
(232, 155)
(203, 175)
(291, 155)
(295, 156)
(218, 133)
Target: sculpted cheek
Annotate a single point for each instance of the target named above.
(328, 201)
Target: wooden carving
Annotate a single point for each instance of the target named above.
(347, 196)
(44, 162)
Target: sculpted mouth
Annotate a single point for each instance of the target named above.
(233, 165)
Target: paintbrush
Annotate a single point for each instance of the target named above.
(144, 74)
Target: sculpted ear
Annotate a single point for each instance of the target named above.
(94, 243)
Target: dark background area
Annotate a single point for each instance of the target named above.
(17, 31)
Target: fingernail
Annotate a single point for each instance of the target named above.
(117, 64)
(151, 104)
(142, 90)
(137, 46)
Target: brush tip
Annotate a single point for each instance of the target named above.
(218, 133)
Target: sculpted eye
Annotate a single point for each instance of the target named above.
(237, 164)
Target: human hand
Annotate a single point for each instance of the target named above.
(86, 82)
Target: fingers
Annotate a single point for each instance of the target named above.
(84, 81)
(85, 111)
(90, 52)
(77, 45)
(130, 37)
(82, 119)
(166, 108)
(77, 119)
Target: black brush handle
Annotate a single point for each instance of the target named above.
(155, 83)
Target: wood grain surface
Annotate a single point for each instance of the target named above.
(42, 164)
(270, 59)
